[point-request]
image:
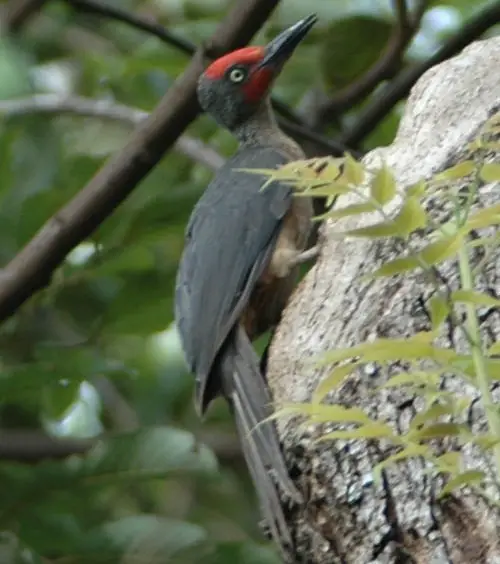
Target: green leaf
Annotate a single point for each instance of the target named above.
(373, 430)
(347, 211)
(417, 190)
(143, 538)
(494, 349)
(383, 185)
(486, 441)
(475, 298)
(408, 452)
(332, 381)
(378, 230)
(416, 378)
(319, 413)
(441, 249)
(490, 172)
(460, 170)
(439, 310)
(448, 462)
(411, 217)
(432, 413)
(431, 255)
(146, 454)
(345, 54)
(483, 218)
(353, 172)
(415, 347)
(467, 478)
(438, 431)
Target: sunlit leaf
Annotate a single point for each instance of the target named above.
(411, 217)
(382, 350)
(409, 452)
(485, 441)
(437, 431)
(353, 172)
(490, 172)
(483, 218)
(439, 310)
(319, 413)
(383, 185)
(333, 380)
(431, 414)
(418, 378)
(460, 170)
(448, 462)
(475, 298)
(373, 430)
(347, 211)
(417, 190)
(494, 349)
(467, 478)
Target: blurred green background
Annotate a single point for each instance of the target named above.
(96, 353)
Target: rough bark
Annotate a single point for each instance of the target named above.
(347, 517)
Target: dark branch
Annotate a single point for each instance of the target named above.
(31, 447)
(18, 12)
(400, 87)
(119, 15)
(384, 68)
(32, 268)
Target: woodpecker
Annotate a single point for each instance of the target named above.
(239, 264)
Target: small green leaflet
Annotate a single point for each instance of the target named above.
(383, 185)
(467, 478)
(490, 172)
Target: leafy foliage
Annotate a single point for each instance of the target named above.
(424, 245)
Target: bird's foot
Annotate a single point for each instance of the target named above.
(305, 256)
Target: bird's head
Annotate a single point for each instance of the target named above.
(234, 86)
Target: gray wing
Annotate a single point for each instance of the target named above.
(229, 241)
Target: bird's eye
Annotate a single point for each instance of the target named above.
(237, 75)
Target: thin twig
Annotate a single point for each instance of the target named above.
(387, 65)
(400, 87)
(109, 110)
(151, 27)
(33, 266)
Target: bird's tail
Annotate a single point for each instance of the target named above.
(245, 388)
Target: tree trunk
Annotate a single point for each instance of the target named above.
(348, 516)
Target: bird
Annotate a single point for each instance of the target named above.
(239, 265)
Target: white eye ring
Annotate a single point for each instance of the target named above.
(237, 76)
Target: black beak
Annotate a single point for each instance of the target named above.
(281, 47)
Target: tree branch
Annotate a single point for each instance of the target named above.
(18, 12)
(400, 87)
(35, 446)
(133, 20)
(32, 268)
(109, 110)
(385, 67)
